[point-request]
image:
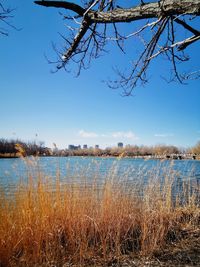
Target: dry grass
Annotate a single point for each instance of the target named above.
(46, 224)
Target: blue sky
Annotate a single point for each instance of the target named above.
(62, 109)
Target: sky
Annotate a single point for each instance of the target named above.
(38, 105)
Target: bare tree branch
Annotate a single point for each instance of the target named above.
(145, 11)
(83, 29)
(185, 43)
(5, 15)
(186, 26)
(61, 4)
(158, 34)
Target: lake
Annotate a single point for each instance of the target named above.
(81, 169)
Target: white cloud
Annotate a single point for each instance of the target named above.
(85, 134)
(164, 135)
(104, 135)
(117, 135)
(127, 135)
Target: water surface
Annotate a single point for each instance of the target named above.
(81, 169)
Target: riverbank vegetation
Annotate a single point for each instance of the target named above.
(14, 148)
(48, 223)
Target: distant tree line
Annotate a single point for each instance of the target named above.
(15, 148)
(163, 151)
(128, 151)
(196, 149)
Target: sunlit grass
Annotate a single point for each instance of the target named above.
(48, 223)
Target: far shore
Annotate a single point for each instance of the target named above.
(145, 157)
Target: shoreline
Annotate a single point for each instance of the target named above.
(145, 157)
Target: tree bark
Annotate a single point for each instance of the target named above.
(146, 11)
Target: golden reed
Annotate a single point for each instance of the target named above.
(46, 223)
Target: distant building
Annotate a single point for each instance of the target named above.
(97, 146)
(120, 145)
(73, 147)
(85, 146)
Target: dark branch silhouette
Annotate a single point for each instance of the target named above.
(5, 16)
(161, 19)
